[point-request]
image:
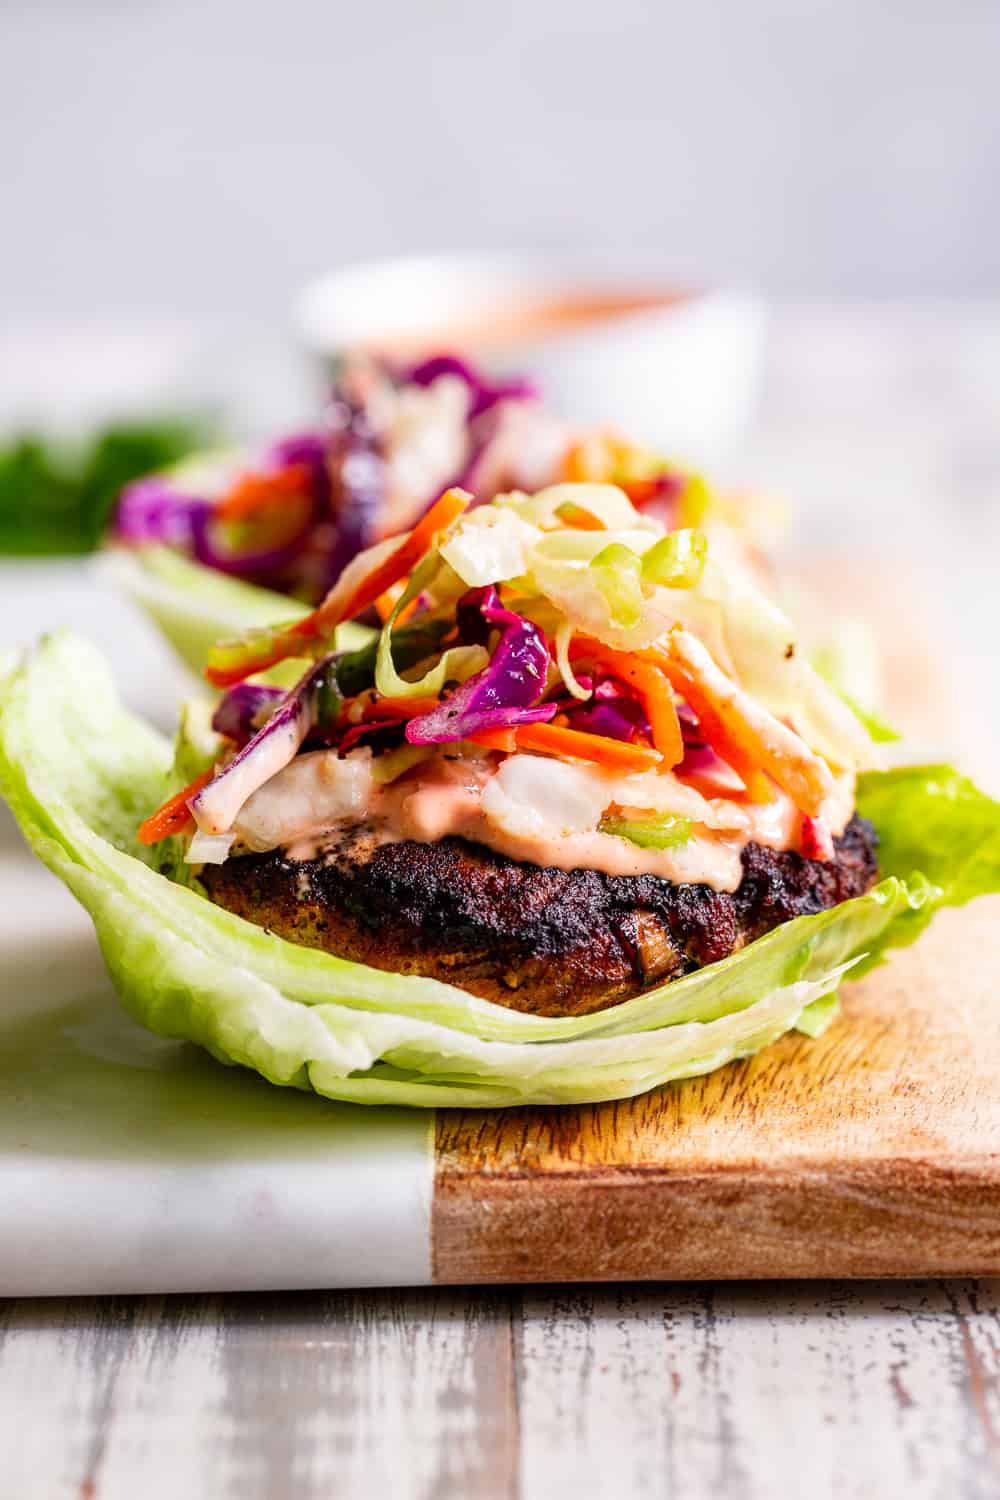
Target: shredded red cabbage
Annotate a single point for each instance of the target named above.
(239, 710)
(502, 694)
(266, 563)
(702, 764)
(299, 448)
(483, 393)
(150, 510)
(356, 467)
(268, 752)
(699, 757)
(612, 712)
(348, 489)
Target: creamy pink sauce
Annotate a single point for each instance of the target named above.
(444, 797)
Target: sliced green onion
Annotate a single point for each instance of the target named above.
(678, 561)
(618, 574)
(650, 833)
(617, 555)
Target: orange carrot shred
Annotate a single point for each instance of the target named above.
(399, 562)
(174, 816)
(325, 619)
(716, 732)
(397, 708)
(579, 517)
(386, 603)
(550, 739)
(253, 492)
(281, 645)
(654, 689)
(495, 739)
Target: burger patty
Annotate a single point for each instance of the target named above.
(554, 942)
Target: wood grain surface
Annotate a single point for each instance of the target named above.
(839, 1391)
(871, 1151)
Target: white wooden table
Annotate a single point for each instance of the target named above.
(884, 425)
(743, 1392)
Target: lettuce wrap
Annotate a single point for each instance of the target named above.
(194, 607)
(79, 772)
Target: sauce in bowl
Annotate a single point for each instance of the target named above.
(511, 322)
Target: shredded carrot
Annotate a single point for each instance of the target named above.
(254, 492)
(550, 739)
(772, 745)
(386, 603)
(654, 689)
(495, 739)
(716, 731)
(323, 621)
(641, 491)
(397, 708)
(579, 517)
(591, 459)
(278, 645)
(174, 816)
(604, 457)
(399, 563)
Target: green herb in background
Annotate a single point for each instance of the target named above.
(56, 498)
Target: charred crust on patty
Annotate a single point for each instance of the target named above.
(554, 942)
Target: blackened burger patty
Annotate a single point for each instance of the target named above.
(555, 942)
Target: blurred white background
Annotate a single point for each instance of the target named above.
(174, 170)
(201, 158)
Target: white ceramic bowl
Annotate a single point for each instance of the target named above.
(681, 375)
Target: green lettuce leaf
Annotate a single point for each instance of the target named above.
(80, 772)
(194, 606)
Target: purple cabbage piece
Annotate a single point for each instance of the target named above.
(265, 563)
(688, 721)
(611, 712)
(240, 708)
(150, 510)
(483, 393)
(356, 479)
(268, 752)
(298, 448)
(502, 694)
(701, 759)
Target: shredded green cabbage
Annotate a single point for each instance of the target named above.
(455, 664)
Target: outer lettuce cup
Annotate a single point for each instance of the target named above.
(79, 773)
(193, 606)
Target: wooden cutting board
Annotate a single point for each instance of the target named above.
(129, 1163)
(872, 1151)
